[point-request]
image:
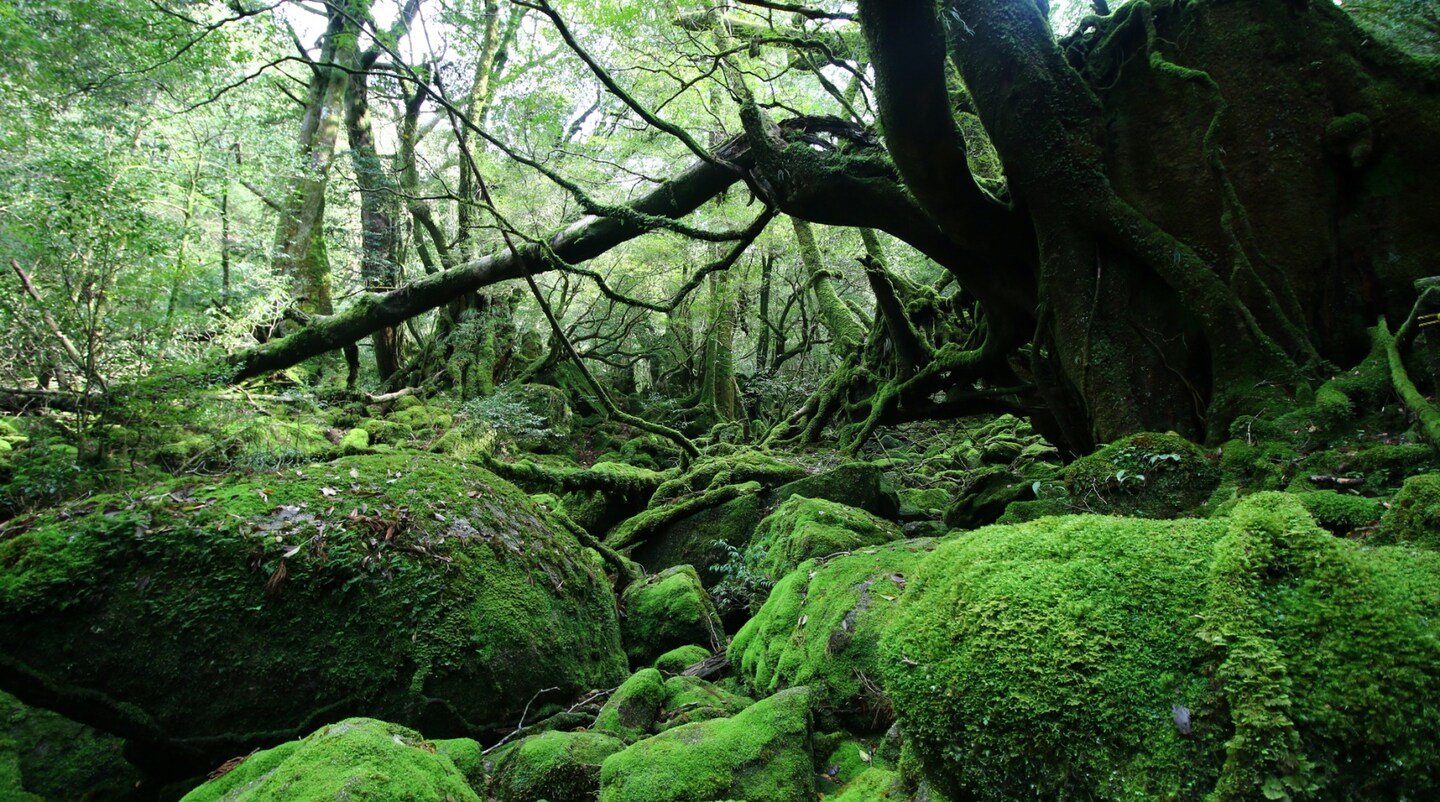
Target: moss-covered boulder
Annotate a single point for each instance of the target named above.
(355, 441)
(631, 712)
(691, 699)
(1414, 514)
(1341, 513)
(680, 658)
(1146, 475)
(56, 758)
(667, 610)
(873, 785)
(1249, 657)
(207, 618)
(358, 759)
(762, 754)
(554, 766)
(722, 514)
(821, 628)
(803, 528)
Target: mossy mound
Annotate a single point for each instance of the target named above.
(1105, 658)
(804, 528)
(872, 785)
(409, 587)
(1146, 475)
(680, 658)
(691, 699)
(358, 759)
(762, 754)
(667, 610)
(1414, 514)
(821, 628)
(631, 712)
(1341, 513)
(554, 766)
(56, 758)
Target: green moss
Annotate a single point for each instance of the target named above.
(802, 528)
(680, 658)
(405, 586)
(667, 610)
(385, 431)
(357, 759)
(1341, 513)
(1228, 659)
(60, 759)
(422, 417)
(630, 713)
(554, 766)
(1147, 475)
(821, 627)
(355, 441)
(1414, 514)
(760, 755)
(873, 784)
(691, 699)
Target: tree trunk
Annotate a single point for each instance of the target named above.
(379, 207)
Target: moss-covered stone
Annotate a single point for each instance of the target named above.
(355, 441)
(385, 431)
(1147, 475)
(667, 610)
(1414, 514)
(423, 417)
(691, 699)
(411, 587)
(554, 766)
(803, 528)
(356, 759)
(631, 712)
(1103, 658)
(57, 758)
(873, 784)
(1341, 513)
(821, 628)
(762, 754)
(680, 658)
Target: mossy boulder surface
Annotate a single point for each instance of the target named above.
(1107, 658)
(681, 658)
(691, 699)
(631, 712)
(1147, 475)
(665, 611)
(554, 766)
(821, 628)
(804, 528)
(424, 591)
(358, 760)
(57, 758)
(762, 754)
(1414, 514)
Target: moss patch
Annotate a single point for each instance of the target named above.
(667, 610)
(1147, 475)
(680, 658)
(630, 713)
(554, 766)
(357, 759)
(821, 628)
(803, 528)
(1414, 514)
(410, 587)
(760, 755)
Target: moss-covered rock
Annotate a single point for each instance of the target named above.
(691, 699)
(423, 417)
(667, 610)
(1341, 513)
(871, 785)
(631, 712)
(1146, 475)
(57, 758)
(355, 441)
(821, 628)
(680, 658)
(1103, 658)
(554, 766)
(413, 588)
(356, 759)
(385, 431)
(803, 528)
(1414, 514)
(762, 754)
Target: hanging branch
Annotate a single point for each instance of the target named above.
(55, 330)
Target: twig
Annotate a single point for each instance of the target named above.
(49, 319)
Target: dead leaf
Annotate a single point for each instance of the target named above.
(864, 756)
(801, 622)
(276, 580)
(328, 491)
(354, 473)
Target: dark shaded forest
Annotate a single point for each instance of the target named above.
(928, 400)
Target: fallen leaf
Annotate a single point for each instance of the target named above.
(864, 756)
(328, 491)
